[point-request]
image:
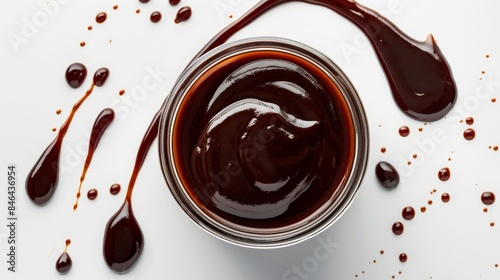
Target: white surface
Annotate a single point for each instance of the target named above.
(449, 241)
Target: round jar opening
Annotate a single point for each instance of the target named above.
(260, 142)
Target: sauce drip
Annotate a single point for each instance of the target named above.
(101, 123)
(41, 181)
(101, 17)
(101, 76)
(488, 198)
(387, 175)
(420, 78)
(398, 228)
(92, 194)
(444, 174)
(64, 262)
(123, 238)
(183, 14)
(155, 17)
(408, 213)
(76, 74)
(115, 189)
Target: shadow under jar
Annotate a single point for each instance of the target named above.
(263, 142)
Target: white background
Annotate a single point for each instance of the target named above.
(449, 241)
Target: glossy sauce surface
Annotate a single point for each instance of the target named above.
(269, 140)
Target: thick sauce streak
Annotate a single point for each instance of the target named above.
(102, 122)
(183, 14)
(123, 238)
(420, 78)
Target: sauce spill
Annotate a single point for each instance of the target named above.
(76, 74)
(64, 262)
(183, 14)
(155, 17)
(102, 122)
(123, 238)
(488, 198)
(387, 175)
(92, 194)
(41, 182)
(419, 75)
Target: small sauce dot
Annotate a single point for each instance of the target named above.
(122, 92)
(469, 134)
(485, 210)
(493, 100)
(174, 2)
(415, 155)
(115, 7)
(155, 17)
(58, 112)
(92, 194)
(487, 56)
(496, 265)
(483, 72)
(82, 44)
(89, 27)
(403, 257)
(138, 11)
(54, 129)
(495, 148)
(387, 175)
(382, 252)
(398, 228)
(488, 198)
(409, 163)
(429, 202)
(408, 213)
(423, 209)
(101, 17)
(383, 149)
(469, 120)
(183, 14)
(144, 1)
(115, 189)
(445, 197)
(492, 224)
(404, 131)
(420, 129)
(444, 174)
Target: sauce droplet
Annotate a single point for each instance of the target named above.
(398, 228)
(488, 198)
(183, 14)
(115, 7)
(101, 76)
(423, 209)
(469, 120)
(444, 174)
(101, 17)
(387, 175)
(174, 2)
(92, 194)
(383, 150)
(144, 1)
(76, 74)
(408, 213)
(155, 17)
(404, 131)
(102, 122)
(445, 197)
(64, 262)
(403, 257)
(115, 189)
(469, 134)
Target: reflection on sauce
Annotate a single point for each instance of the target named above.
(64, 262)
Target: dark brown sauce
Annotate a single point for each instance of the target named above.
(155, 17)
(408, 213)
(101, 123)
(387, 175)
(469, 134)
(101, 76)
(144, 1)
(92, 194)
(261, 145)
(420, 78)
(101, 17)
(398, 228)
(445, 197)
(64, 262)
(115, 189)
(444, 174)
(123, 238)
(488, 198)
(469, 120)
(41, 181)
(174, 2)
(404, 131)
(423, 209)
(403, 257)
(183, 14)
(76, 74)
